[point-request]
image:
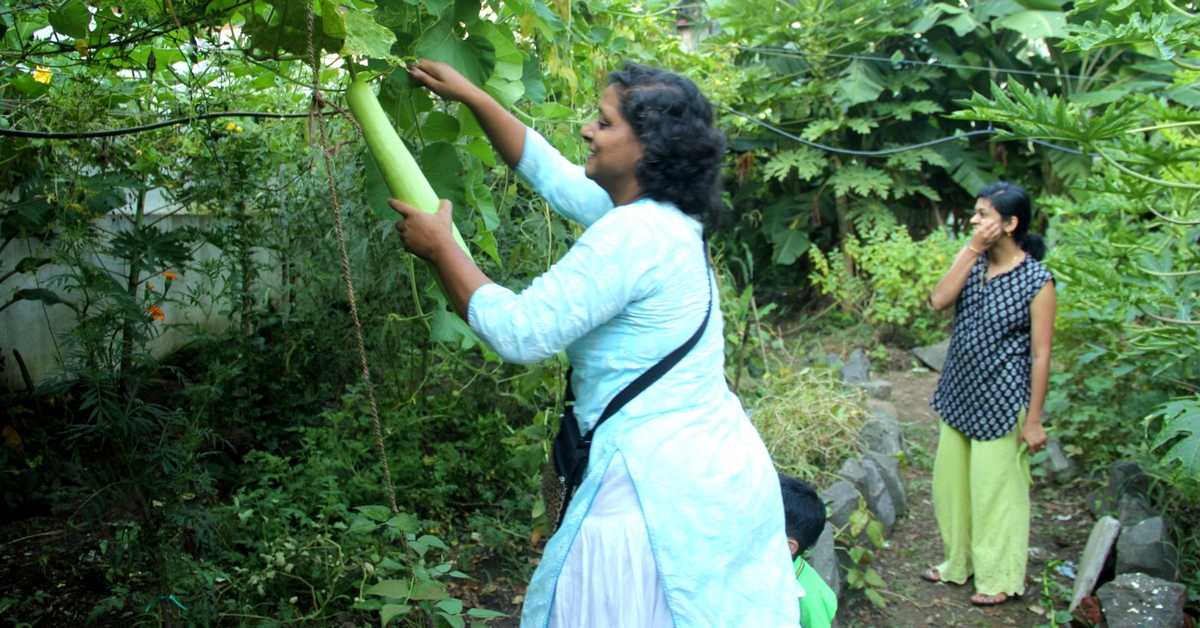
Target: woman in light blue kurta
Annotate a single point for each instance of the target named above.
(679, 521)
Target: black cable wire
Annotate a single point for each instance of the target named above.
(149, 127)
(846, 151)
(800, 54)
(891, 151)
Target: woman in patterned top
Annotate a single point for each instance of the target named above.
(990, 396)
(679, 520)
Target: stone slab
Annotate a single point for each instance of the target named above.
(1099, 544)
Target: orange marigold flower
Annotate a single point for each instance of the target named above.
(171, 276)
(156, 313)
(149, 287)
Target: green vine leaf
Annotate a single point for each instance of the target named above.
(474, 57)
(365, 37)
(71, 20)
(1036, 24)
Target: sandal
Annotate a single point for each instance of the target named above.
(980, 599)
(932, 575)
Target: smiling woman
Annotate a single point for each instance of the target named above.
(678, 520)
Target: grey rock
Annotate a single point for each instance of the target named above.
(842, 500)
(878, 389)
(1132, 510)
(1095, 553)
(1058, 466)
(1125, 477)
(1146, 548)
(857, 369)
(1141, 601)
(934, 356)
(889, 470)
(883, 410)
(855, 473)
(824, 559)
(884, 436)
(867, 479)
(879, 501)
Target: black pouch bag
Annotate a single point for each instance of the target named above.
(569, 453)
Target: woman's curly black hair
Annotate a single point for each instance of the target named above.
(682, 153)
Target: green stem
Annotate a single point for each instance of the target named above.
(1142, 177)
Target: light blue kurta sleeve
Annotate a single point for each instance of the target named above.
(592, 283)
(562, 183)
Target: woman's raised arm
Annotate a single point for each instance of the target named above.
(506, 132)
(946, 292)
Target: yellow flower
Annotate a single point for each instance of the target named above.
(42, 75)
(231, 126)
(239, 129)
(81, 46)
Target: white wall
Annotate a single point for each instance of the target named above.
(34, 328)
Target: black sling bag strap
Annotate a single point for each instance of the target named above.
(570, 451)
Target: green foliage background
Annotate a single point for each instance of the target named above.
(244, 484)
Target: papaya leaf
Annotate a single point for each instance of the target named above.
(1181, 426)
(808, 163)
(862, 180)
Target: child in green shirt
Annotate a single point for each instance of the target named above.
(804, 514)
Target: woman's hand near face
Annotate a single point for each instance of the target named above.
(425, 235)
(986, 235)
(442, 80)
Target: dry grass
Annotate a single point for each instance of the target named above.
(808, 421)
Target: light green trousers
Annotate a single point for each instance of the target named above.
(981, 500)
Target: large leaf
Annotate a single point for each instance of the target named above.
(365, 37)
(860, 83)
(531, 78)
(442, 168)
(474, 58)
(1181, 420)
(970, 169)
(395, 589)
(49, 297)
(72, 19)
(509, 60)
(1036, 24)
(377, 191)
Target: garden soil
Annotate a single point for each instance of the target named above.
(1058, 532)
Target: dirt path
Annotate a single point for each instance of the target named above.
(1058, 531)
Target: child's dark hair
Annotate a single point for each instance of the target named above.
(1010, 200)
(803, 511)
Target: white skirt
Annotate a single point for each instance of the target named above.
(610, 579)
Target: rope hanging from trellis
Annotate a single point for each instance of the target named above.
(318, 103)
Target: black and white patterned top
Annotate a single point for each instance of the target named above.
(988, 375)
